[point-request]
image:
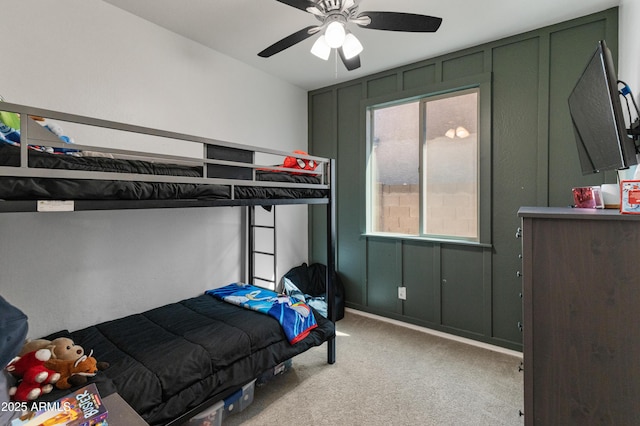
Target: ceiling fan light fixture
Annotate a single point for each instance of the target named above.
(351, 46)
(335, 34)
(321, 49)
(334, 16)
(451, 133)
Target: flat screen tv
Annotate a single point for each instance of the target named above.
(598, 122)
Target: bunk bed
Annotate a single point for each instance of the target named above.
(201, 370)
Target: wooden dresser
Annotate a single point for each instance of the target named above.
(581, 316)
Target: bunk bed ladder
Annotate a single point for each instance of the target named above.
(260, 278)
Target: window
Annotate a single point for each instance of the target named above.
(424, 167)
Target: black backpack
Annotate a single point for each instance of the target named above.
(311, 280)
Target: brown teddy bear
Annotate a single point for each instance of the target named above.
(61, 348)
(75, 373)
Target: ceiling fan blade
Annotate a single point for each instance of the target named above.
(298, 4)
(289, 41)
(350, 64)
(399, 21)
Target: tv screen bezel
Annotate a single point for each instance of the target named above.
(620, 141)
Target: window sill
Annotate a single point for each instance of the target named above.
(434, 240)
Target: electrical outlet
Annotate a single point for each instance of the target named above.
(402, 293)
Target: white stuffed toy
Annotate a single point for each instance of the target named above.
(57, 130)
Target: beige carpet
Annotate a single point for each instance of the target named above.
(387, 374)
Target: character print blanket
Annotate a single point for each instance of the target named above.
(295, 317)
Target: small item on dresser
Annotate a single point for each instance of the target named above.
(587, 197)
(630, 197)
(610, 195)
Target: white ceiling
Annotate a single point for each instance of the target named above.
(242, 28)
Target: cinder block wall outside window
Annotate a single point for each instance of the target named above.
(451, 208)
(401, 209)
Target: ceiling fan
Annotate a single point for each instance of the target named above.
(334, 16)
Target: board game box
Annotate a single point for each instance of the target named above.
(83, 407)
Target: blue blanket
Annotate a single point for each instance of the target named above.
(295, 317)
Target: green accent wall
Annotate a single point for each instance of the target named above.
(471, 290)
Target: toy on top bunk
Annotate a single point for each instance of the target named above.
(299, 163)
(57, 130)
(10, 133)
(292, 162)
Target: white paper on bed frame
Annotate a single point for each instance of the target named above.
(55, 206)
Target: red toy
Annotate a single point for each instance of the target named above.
(35, 378)
(300, 163)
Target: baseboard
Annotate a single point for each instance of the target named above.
(464, 340)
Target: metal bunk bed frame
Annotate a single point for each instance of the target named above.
(236, 161)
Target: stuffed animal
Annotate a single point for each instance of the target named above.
(75, 373)
(299, 163)
(57, 130)
(35, 378)
(61, 348)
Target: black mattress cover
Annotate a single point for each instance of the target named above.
(30, 188)
(168, 360)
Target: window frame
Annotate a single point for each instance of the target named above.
(481, 83)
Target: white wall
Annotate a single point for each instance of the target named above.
(629, 40)
(629, 60)
(69, 270)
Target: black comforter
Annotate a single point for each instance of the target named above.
(167, 361)
(29, 188)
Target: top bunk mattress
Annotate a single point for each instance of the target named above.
(43, 188)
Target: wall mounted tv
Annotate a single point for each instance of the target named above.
(598, 122)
